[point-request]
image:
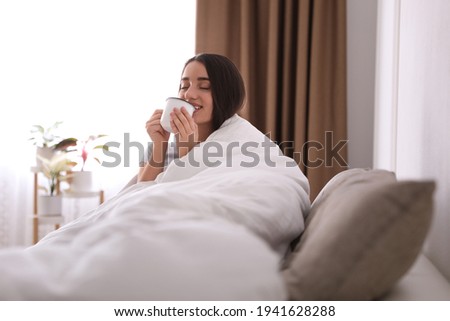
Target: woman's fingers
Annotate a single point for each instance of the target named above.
(185, 129)
(154, 128)
(156, 116)
(182, 122)
(188, 117)
(153, 122)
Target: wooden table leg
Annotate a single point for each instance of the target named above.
(35, 229)
(35, 192)
(35, 210)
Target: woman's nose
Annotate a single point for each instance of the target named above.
(191, 93)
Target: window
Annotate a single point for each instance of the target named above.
(99, 66)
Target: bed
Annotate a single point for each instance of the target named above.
(232, 220)
(215, 225)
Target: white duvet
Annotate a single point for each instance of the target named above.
(214, 226)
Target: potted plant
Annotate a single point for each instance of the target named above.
(81, 179)
(55, 170)
(47, 142)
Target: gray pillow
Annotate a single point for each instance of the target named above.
(364, 232)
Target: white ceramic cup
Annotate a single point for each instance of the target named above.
(171, 103)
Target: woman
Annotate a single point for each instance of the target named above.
(213, 84)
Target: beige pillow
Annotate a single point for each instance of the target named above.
(356, 178)
(364, 232)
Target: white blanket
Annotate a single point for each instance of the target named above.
(214, 226)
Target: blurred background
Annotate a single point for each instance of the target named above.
(99, 67)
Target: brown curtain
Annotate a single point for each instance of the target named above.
(292, 55)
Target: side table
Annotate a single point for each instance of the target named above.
(56, 220)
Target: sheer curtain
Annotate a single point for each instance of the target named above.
(100, 67)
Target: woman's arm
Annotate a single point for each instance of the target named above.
(160, 139)
(155, 164)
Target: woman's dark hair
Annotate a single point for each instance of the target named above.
(227, 86)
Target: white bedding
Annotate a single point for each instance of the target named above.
(199, 232)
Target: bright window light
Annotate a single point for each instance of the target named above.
(101, 67)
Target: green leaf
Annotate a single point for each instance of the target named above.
(37, 129)
(65, 143)
(104, 147)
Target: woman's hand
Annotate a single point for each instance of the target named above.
(185, 130)
(155, 130)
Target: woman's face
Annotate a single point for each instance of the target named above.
(195, 87)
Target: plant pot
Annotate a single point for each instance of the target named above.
(43, 152)
(81, 181)
(50, 205)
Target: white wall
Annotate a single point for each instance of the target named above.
(361, 49)
(423, 139)
(415, 44)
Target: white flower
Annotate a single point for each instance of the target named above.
(54, 169)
